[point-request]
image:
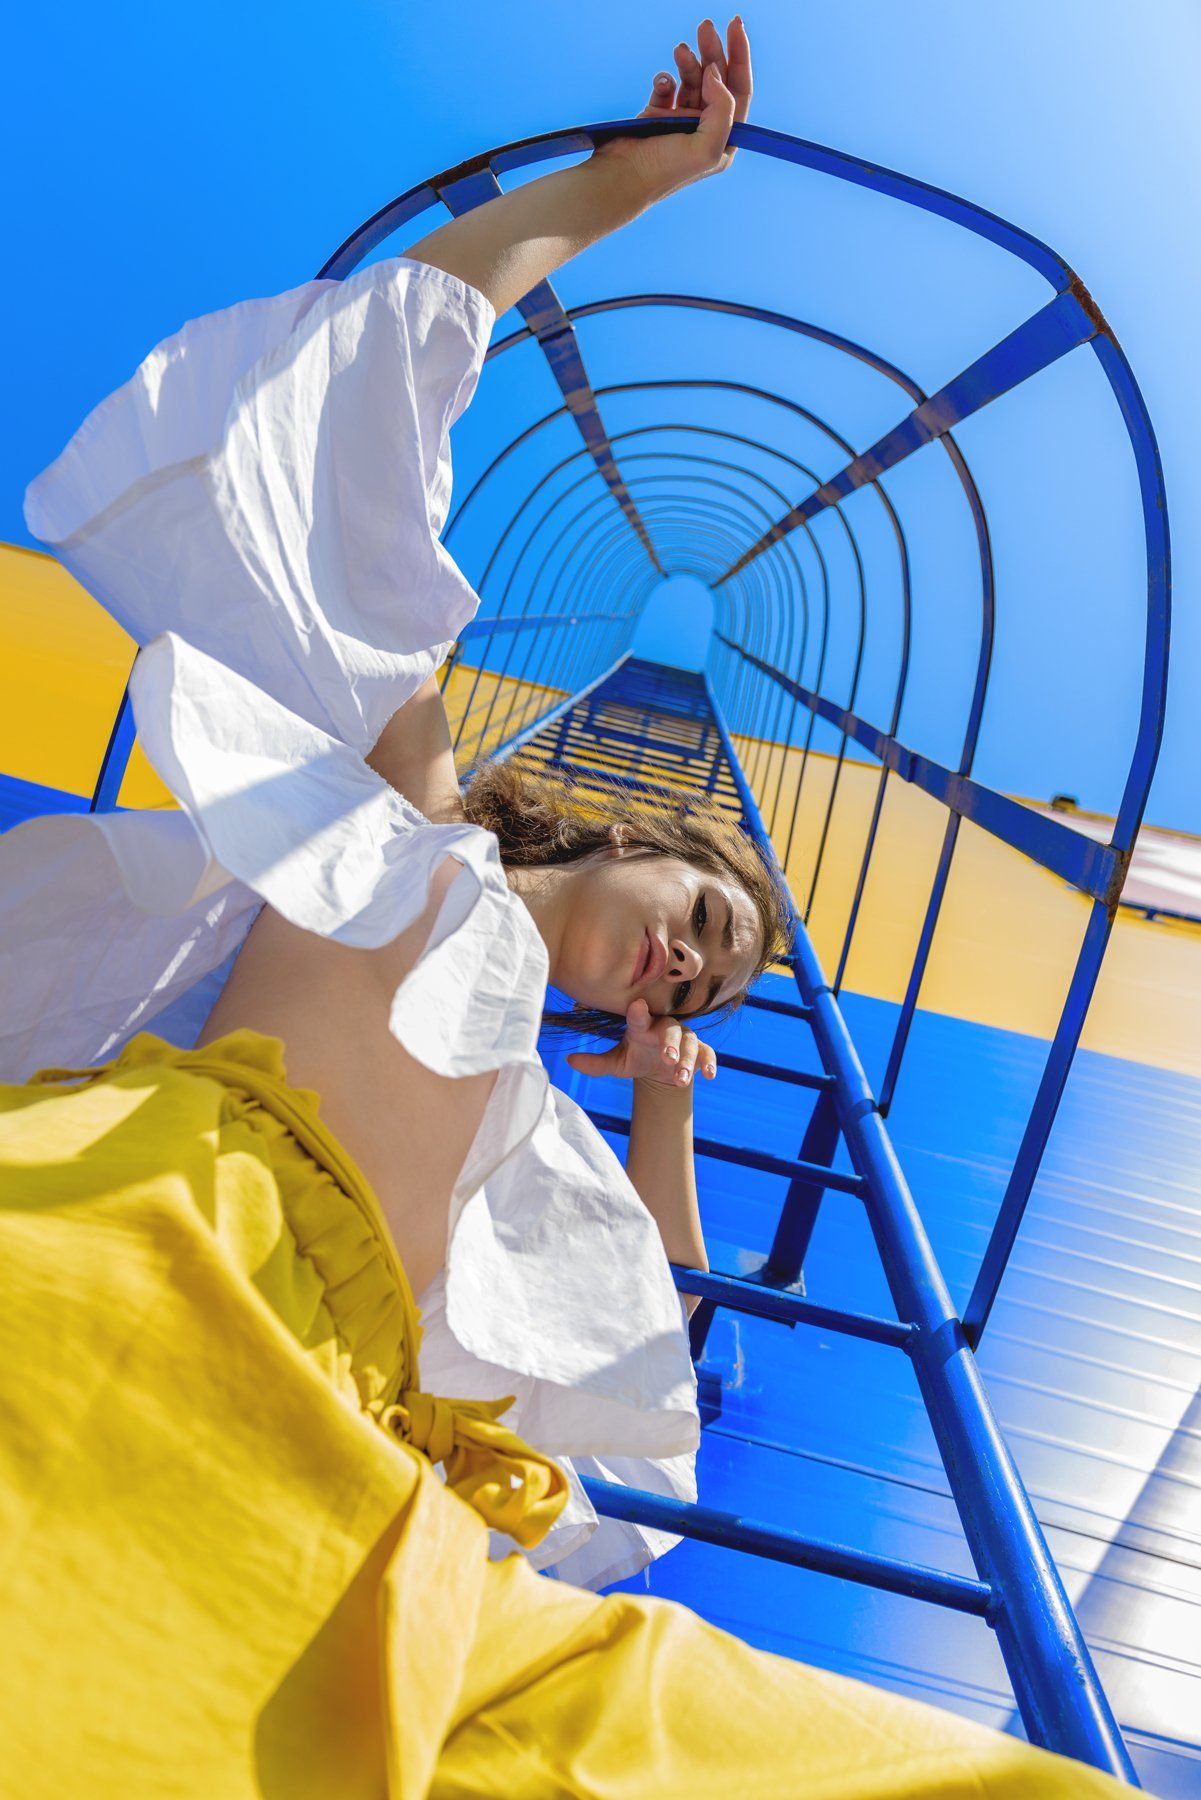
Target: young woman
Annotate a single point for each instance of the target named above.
(231, 1570)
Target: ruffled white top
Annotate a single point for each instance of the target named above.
(260, 508)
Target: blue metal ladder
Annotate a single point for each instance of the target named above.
(648, 725)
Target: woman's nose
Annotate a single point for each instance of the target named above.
(683, 962)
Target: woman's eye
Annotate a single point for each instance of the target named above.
(680, 995)
(700, 916)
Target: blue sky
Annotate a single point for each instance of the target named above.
(174, 160)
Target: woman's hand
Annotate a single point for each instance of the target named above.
(715, 89)
(659, 1052)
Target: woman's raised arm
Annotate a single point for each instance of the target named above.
(415, 755)
(505, 247)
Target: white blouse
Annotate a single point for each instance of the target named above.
(260, 508)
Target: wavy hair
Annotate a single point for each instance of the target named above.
(538, 823)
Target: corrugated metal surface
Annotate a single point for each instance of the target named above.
(1093, 1358)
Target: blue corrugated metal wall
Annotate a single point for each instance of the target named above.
(1093, 1359)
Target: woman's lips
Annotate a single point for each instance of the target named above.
(652, 960)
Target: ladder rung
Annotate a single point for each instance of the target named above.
(710, 1526)
(791, 1009)
(764, 1302)
(746, 1158)
(748, 1065)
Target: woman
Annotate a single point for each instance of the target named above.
(231, 1569)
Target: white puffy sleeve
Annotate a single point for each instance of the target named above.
(259, 506)
(270, 486)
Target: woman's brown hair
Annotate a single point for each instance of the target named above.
(538, 823)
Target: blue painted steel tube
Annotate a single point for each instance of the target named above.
(1092, 867)
(731, 1530)
(802, 1202)
(522, 738)
(533, 622)
(116, 757)
(750, 1065)
(1055, 1683)
(815, 1174)
(789, 1009)
(1063, 324)
(1059, 1695)
(763, 1302)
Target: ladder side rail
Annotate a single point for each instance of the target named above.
(1059, 1695)
(1125, 832)
(519, 741)
(1083, 862)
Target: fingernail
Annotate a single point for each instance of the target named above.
(672, 1055)
(662, 80)
(685, 1076)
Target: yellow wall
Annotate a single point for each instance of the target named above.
(1008, 933)
(63, 668)
(494, 716)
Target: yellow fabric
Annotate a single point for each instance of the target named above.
(319, 1252)
(226, 1571)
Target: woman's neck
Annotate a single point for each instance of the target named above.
(546, 894)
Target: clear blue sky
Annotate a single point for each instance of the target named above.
(175, 159)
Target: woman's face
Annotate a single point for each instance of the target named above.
(644, 926)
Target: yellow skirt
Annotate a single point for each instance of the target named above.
(229, 1568)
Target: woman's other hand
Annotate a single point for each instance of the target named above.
(714, 88)
(660, 1052)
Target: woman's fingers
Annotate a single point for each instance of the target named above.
(713, 129)
(710, 47)
(596, 1062)
(638, 1016)
(696, 1058)
(737, 71)
(663, 94)
(690, 69)
(689, 1046)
